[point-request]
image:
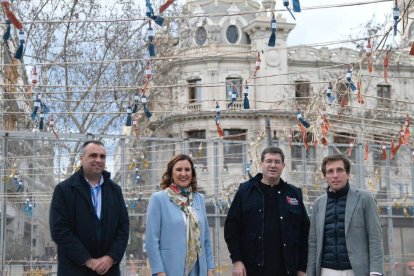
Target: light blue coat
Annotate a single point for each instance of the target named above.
(165, 236)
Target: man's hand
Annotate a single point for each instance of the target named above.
(104, 264)
(239, 269)
(91, 263)
(300, 273)
(210, 272)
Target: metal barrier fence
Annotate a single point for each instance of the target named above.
(32, 163)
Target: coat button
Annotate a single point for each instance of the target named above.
(284, 244)
(260, 237)
(281, 217)
(278, 192)
(260, 210)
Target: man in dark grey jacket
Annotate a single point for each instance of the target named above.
(345, 236)
(88, 218)
(267, 226)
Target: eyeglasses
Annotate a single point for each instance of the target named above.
(337, 171)
(270, 162)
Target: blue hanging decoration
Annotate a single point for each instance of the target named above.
(7, 33)
(248, 169)
(233, 95)
(41, 120)
(286, 4)
(273, 25)
(348, 77)
(246, 104)
(19, 186)
(296, 5)
(145, 107)
(329, 95)
(302, 120)
(396, 15)
(159, 20)
(36, 106)
(217, 118)
(140, 195)
(136, 100)
(151, 47)
(20, 49)
(137, 176)
(129, 117)
(218, 113)
(28, 207)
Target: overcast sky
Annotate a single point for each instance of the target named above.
(323, 25)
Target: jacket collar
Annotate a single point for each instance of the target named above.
(258, 178)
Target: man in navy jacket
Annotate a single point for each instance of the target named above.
(88, 218)
(267, 226)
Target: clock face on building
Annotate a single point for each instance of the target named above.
(232, 34)
(200, 36)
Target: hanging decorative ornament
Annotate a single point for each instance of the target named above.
(246, 91)
(351, 147)
(301, 120)
(368, 51)
(159, 20)
(359, 94)
(329, 97)
(129, 116)
(348, 76)
(384, 150)
(407, 128)
(396, 15)
(165, 5)
(151, 47)
(52, 126)
(7, 33)
(233, 95)
(286, 4)
(296, 5)
(145, 107)
(217, 119)
(273, 26)
(22, 39)
(366, 151)
(386, 63)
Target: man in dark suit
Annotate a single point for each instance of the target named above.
(88, 218)
(267, 226)
(345, 235)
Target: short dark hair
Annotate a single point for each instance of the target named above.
(336, 157)
(166, 179)
(272, 150)
(96, 142)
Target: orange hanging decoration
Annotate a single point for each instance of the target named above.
(359, 95)
(394, 149)
(220, 131)
(10, 15)
(412, 50)
(402, 140)
(315, 143)
(407, 128)
(351, 146)
(369, 56)
(366, 153)
(304, 136)
(384, 151)
(386, 63)
(290, 138)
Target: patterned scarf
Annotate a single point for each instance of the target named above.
(184, 199)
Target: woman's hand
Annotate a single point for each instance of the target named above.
(210, 272)
(161, 274)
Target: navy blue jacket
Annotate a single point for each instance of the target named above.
(244, 226)
(78, 232)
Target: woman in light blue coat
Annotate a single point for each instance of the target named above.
(177, 238)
